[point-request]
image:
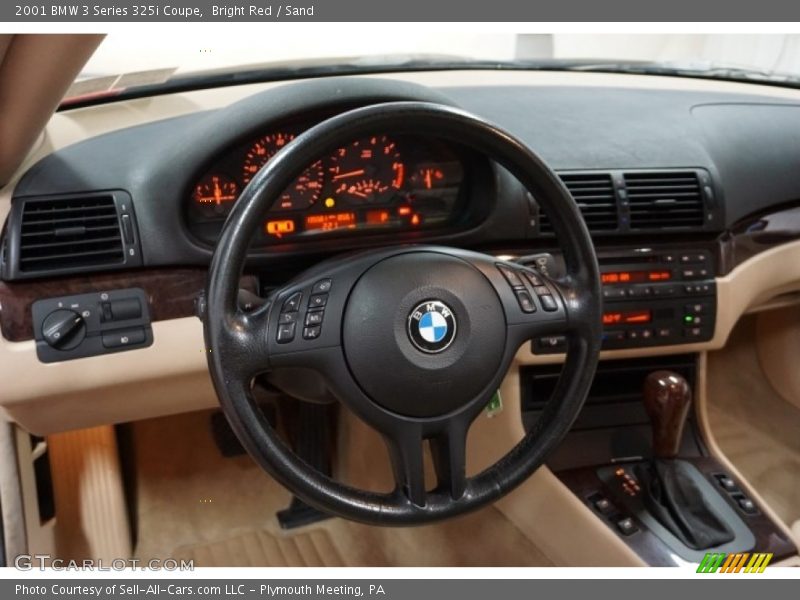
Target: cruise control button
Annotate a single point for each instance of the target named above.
(292, 303)
(318, 301)
(321, 287)
(312, 333)
(286, 332)
(548, 303)
(125, 337)
(525, 301)
(289, 317)
(511, 276)
(314, 317)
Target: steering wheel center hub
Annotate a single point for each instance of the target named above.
(423, 333)
(432, 326)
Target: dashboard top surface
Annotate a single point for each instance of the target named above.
(747, 142)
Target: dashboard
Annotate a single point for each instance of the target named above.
(154, 179)
(374, 184)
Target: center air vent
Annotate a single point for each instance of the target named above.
(594, 194)
(665, 200)
(72, 233)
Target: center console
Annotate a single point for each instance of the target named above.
(634, 457)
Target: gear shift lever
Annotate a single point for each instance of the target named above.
(669, 493)
(667, 397)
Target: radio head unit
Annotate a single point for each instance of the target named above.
(652, 297)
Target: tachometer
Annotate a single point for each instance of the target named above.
(367, 171)
(304, 191)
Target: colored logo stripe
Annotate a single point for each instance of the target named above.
(734, 563)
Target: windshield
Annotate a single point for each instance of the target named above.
(126, 61)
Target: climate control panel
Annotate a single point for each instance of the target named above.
(85, 325)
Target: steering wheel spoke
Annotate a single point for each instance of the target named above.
(449, 451)
(406, 454)
(242, 335)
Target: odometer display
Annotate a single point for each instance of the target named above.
(331, 221)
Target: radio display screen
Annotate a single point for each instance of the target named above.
(612, 277)
(627, 317)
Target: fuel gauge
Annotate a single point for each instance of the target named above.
(428, 177)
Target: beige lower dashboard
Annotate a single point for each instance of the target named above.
(171, 376)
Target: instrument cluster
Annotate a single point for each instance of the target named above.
(376, 183)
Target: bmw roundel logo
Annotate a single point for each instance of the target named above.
(432, 326)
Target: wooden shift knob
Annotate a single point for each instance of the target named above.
(667, 397)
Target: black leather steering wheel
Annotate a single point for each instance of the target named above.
(415, 340)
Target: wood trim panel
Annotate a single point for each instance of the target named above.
(171, 294)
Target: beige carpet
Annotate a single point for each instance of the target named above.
(259, 548)
(193, 503)
(754, 426)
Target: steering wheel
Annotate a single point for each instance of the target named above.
(415, 340)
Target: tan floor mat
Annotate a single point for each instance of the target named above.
(191, 502)
(755, 428)
(259, 548)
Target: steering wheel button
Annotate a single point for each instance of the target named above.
(548, 303)
(534, 279)
(321, 287)
(511, 275)
(292, 303)
(541, 290)
(312, 333)
(318, 301)
(525, 301)
(314, 317)
(289, 317)
(286, 332)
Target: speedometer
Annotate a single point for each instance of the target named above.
(368, 170)
(304, 191)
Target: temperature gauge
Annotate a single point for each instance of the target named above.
(215, 194)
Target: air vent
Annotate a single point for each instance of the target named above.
(665, 200)
(65, 233)
(594, 193)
